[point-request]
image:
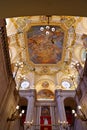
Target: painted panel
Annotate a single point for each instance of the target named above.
(45, 94)
(45, 49)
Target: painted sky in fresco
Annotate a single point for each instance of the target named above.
(45, 49)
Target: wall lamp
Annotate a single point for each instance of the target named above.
(16, 114)
(18, 65)
(28, 124)
(64, 124)
(80, 115)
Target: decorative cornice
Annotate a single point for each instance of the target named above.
(64, 93)
(28, 93)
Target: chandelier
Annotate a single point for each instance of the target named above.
(47, 29)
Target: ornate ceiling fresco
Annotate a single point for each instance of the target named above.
(45, 49)
(47, 61)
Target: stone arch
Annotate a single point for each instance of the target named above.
(69, 104)
(23, 103)
(70, 101)
(45, 84)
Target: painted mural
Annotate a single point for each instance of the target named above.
(45, 49)
(45, 94)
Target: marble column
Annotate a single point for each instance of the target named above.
(52, 112)
(38, 117)
(30, 95)
(30, 109)
(60, 107)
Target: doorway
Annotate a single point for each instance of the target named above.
(45, 118)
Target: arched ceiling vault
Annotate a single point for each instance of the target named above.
(47, 61)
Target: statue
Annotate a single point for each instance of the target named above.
(45, 121)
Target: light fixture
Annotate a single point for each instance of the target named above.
(80, 115)
(18, 65)
(47, 29)
(77, 66)
(16, 114)
(64, 124)
(28, 124)
(81, 71)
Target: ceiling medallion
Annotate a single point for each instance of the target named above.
(45, 84)
(45, 69)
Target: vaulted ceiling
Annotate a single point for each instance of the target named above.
(47, 61)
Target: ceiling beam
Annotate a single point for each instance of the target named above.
(18, 8)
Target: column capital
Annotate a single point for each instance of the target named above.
(64, 93)
(58, 93)
(28, 93)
